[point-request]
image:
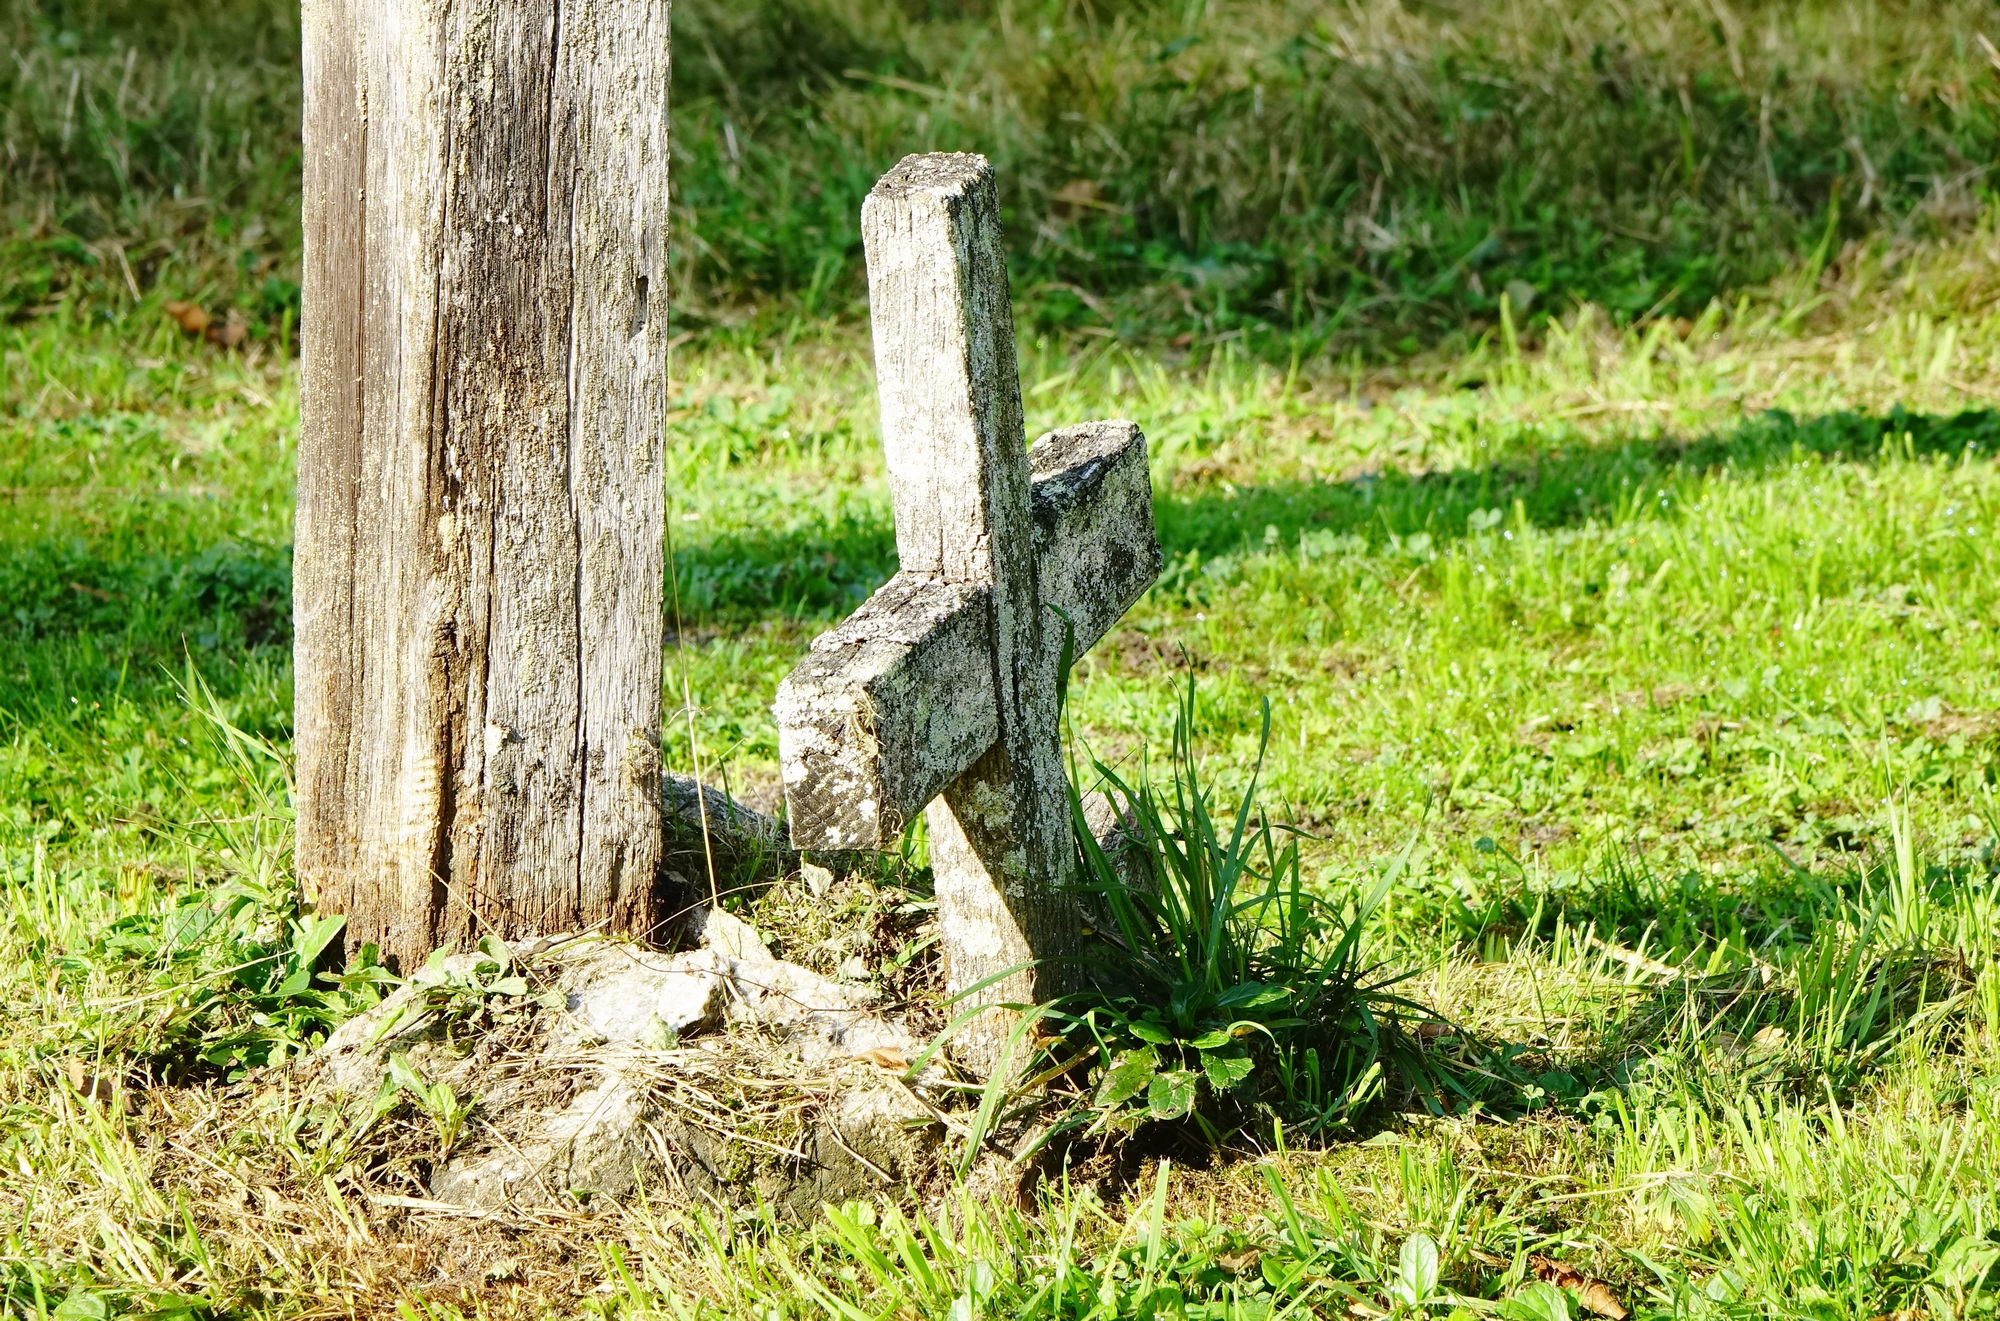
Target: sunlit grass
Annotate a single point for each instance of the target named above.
(1659, 649)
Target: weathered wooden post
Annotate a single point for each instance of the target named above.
(478, 563)
(943, 685)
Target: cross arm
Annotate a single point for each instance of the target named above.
(893, 705)
(1095, 549)
(885, 711)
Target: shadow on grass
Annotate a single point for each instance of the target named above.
(80, 620)
(1565, 487)
(808, 571)
(823, 571)
(235, 594)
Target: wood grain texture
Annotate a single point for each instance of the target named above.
(480, 516)
(885, 711)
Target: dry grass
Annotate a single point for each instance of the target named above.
(276, 1194)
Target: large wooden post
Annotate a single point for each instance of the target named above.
(478, 566)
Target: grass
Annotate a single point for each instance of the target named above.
(1639, 631)
(1304, 177)
(1372, 175)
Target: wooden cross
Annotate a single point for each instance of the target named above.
(941, 690)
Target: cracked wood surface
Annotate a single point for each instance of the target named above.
(480, 516)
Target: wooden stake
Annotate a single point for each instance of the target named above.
(478, 566)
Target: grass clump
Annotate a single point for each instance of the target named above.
(1228, 986)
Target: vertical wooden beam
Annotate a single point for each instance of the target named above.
(959, 476)
(480, 521)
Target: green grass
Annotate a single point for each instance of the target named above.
(1653, 658)
(1301, 176)
(1372, 175)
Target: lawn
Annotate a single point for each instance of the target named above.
(1576, 422)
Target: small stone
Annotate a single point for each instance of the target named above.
(874, 1138)
(596, 1146)
(631, 996)
(728, 935)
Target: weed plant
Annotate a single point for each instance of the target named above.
(1226, 980)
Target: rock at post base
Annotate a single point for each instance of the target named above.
(720, 1074)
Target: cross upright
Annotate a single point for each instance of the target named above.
(940, 692)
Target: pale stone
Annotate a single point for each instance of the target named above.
(631, 995)
(626, 1007)
(727, 934)
(597, 1146)
(877, 1138)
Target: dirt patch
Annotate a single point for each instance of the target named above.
(1969, 725)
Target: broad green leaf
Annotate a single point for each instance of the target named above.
(1210, 1040)
(1148, 1031)
(1128, 1075)
(1418, 1263)
(1537, 1302)
(83, 1305)
(1171, 1094)
(404, 1075)
(312, 935)
(1225, 1071)
(496, 950)
(1253, 995)
(1965, 1262)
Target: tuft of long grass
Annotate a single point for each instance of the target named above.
(1303, 176)
(1224, 987)
(1365, 174)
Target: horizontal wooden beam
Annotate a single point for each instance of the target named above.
(1095, 549)
(896, 703)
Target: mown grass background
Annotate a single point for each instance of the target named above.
(1650, 614)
